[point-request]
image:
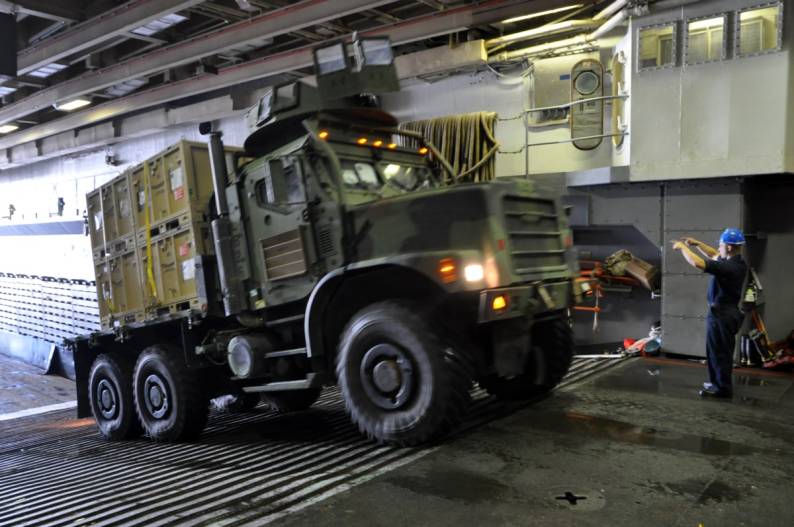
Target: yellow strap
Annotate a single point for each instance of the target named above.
(149, 261)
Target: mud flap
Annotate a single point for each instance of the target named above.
(511, 344)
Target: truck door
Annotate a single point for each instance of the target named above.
(280, 238)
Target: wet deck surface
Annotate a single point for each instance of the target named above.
(618, 444)
(23, 387)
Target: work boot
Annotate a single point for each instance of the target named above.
(708, 386)
(713, 392)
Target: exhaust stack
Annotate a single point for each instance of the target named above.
(234, 300)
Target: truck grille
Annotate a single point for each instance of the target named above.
(284, 256)
(535, 240)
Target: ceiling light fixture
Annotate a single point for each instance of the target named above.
(45, 71)
(161, 24)
(541, 13)
(72, 105)
(8, 128)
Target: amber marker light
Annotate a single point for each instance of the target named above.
(447, 270)
(377, 144)
(423, 150)
(323, 134)
(392, 146)
(499, 303)
(361, 140)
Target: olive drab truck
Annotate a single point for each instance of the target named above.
(327, 252)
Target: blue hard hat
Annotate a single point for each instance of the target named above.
(732, 237)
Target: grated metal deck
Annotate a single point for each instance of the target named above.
(247, 469)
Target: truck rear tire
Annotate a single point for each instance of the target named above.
(552, 353)
(401, 383)
(111, 399)
(168, 396)
(292, 400)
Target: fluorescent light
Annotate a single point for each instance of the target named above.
(541, 13)
(72, 105)
(125, 87)
(45, 71)
(6, 90)
(8, 128)
(155, 26)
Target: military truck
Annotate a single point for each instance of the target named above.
(334, 255)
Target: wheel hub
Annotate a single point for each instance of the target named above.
(107, 399)
(155, 396)
(387, 376)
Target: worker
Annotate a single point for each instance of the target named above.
(728, 271)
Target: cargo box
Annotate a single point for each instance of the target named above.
(176, 182)
(173, 269)
(159, 207)
(119, 288)
(110, 217)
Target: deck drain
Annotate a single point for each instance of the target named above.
(570, 497)
(577, 499)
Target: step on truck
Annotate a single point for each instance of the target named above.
(327, 252)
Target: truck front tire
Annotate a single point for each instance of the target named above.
(168, 398)
(111, 399)
(551, 356)
(400, 382)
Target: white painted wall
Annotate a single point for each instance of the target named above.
(484, 91)
(727, 118)
(34, 189)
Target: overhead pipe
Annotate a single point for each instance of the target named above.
(542, 31)
(610, 9)
(578, 40)
(608, 26)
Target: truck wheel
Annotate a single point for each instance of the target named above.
(552, 353)
(292, 400)
(168, 397)
(110, 396)
(401, 384)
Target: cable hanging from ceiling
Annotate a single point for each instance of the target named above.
(467, 141)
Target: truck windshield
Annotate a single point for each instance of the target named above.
(384, 178)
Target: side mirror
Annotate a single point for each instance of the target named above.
(205, 127)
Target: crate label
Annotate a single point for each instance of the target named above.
(177, 177)
(124, 208)
(184, 249)
(188, 270)
(141, 199)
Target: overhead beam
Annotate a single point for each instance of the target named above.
(61, 11)
(94, 31)
(448, 21)
(269, 25)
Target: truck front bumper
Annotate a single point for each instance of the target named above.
(526, 300)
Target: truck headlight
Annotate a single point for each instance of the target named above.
(473, 272)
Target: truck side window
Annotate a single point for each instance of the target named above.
(281, 184)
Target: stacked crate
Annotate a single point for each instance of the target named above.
(111, 226)
(155, 221)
